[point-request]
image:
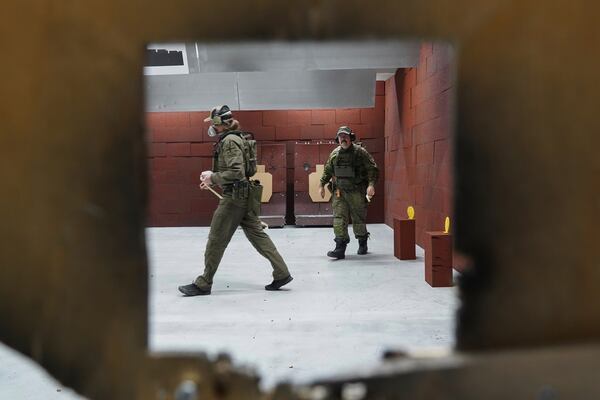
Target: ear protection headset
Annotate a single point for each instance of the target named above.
(219, 115)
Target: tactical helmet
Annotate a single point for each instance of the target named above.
(347, 131)
(220, 116)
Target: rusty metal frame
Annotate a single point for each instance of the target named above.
(73, 272)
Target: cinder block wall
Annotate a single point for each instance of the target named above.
(179, 149)
(418, 127)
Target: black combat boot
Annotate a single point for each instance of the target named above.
(193, 290)
(362, 244)
(278, 283)
(340, 248)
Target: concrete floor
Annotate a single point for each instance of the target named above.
(335, 317)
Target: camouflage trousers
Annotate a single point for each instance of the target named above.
(228, 216)
(351, 204)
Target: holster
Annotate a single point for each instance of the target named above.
(240, 190)
(255, 196)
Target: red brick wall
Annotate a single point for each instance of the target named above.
(419, 109)
(179, 149)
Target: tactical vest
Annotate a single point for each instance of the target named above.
(348, 170)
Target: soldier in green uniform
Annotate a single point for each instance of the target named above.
(240, 206)
(351, 174)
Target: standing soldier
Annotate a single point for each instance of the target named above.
(240, 205)
(351, 174)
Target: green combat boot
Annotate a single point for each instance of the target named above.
(362, 244)
(340, 249)
(193, 290)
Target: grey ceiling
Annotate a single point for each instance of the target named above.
(278, 75)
